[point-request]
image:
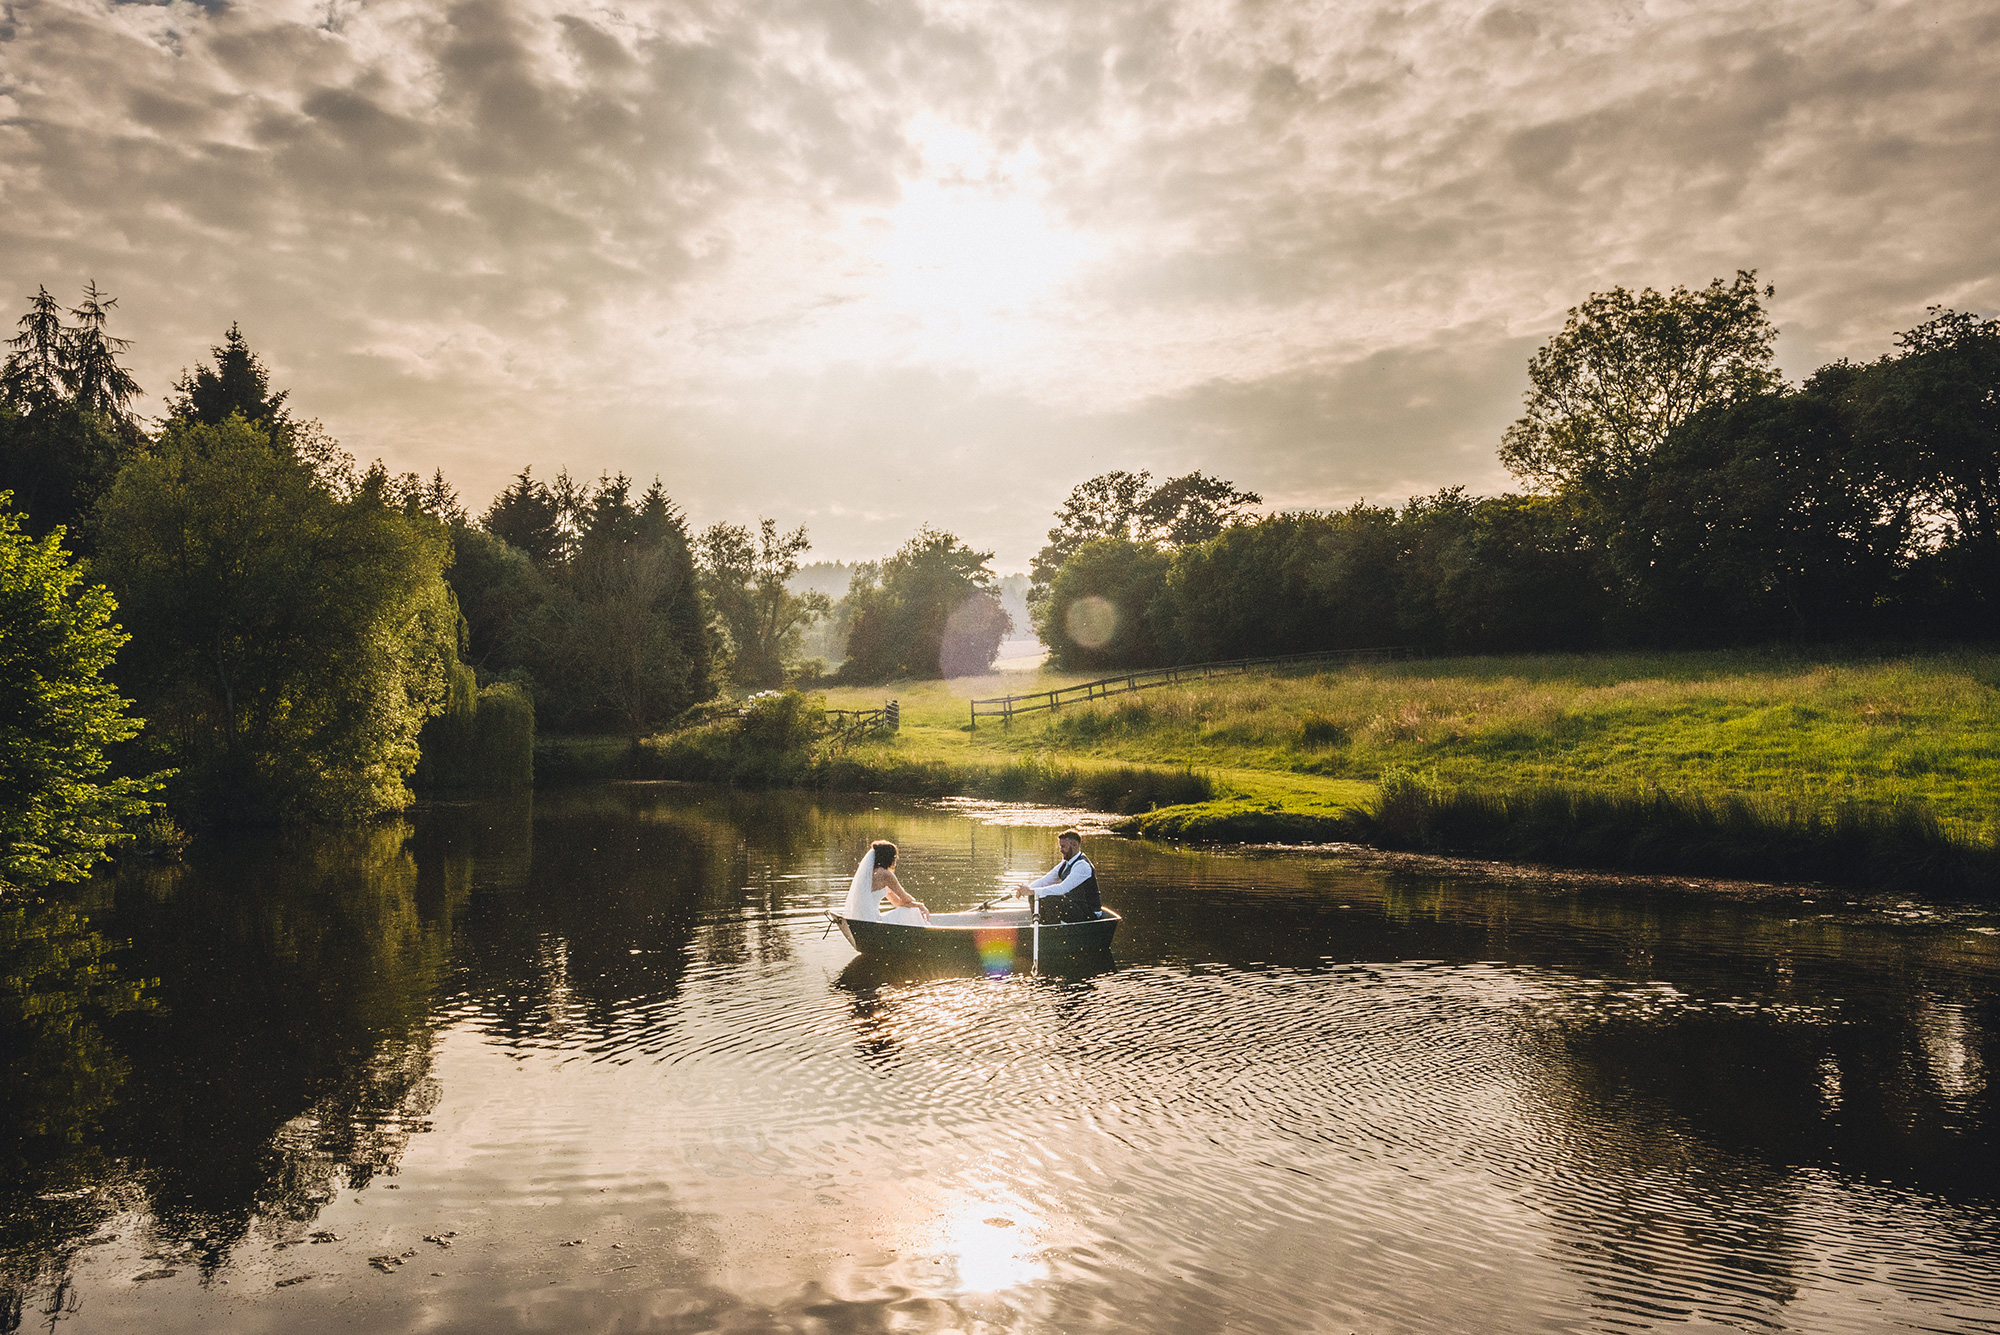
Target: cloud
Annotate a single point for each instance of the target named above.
(869, 264)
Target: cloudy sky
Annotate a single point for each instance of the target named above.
(860, 265)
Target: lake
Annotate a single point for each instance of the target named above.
(592, 1062)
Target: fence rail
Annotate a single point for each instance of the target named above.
(1005, 707)
(853, 722)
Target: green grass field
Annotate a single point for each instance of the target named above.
(1810, 730)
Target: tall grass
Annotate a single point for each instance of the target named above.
(1869, 730)
(1900, 844)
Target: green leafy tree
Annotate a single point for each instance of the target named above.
(1927, 418)
(747, 578)
(1179, 512)
(1629, 367)
(1290, 583)
(931, 610)
(58, 716)
(607, 624)
(1748, 523)
(1514, 574)
(1105, 608)
(288, 641)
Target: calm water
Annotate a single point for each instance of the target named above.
(594, 1065)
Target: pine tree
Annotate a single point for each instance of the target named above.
(238, 383)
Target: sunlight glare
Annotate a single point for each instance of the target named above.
(955, 257)
(993, 1248)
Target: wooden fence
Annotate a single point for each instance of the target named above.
(854, 722)
(1005, 707)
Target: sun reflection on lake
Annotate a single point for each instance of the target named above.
(992, 1245)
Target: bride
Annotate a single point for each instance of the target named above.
(875, 877)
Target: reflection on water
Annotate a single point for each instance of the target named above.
(596, 1063)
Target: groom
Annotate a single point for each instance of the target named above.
(1067, 892)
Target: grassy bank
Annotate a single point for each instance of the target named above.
(782, 743)
(1856, 767)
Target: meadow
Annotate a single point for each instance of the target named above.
(1732, 762)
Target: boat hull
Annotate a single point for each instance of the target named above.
(989, 940)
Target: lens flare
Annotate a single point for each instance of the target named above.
(1091, 621)
(996, 949)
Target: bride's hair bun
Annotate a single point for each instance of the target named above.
(885, 853)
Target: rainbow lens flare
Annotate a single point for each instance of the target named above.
(996, 949)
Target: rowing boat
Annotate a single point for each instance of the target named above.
(992, 938)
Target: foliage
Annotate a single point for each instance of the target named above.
(528, 516)
(288, 641)
(65, 427)
(773, 740)
(236, 384)
(1104, 606)
(1177, 513)
(1288, 584)
(1927, 419)
(931, 610)
(484, 737)
(58, 717)
(1628, 368)
(601, 616)
(746, 579)
(1748, 522)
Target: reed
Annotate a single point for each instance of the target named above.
(1904, 845)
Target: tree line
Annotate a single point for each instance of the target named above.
(1678, 492)
(304, 637)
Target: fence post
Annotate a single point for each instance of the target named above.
(894, 714)
(973, 705)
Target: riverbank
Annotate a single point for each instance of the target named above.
(1861, 768)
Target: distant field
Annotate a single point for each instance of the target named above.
(1808, 729)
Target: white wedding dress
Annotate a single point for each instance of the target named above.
(864, 901)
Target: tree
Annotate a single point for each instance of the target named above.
(636, 648)
(1928, 417)
(58, 716)
(1183, 511)
(1105, 607)
(528, 515)
(64, 427)
(1178, 513)
(238, 383)
(96, 381)
(930, 610)
(602, 617)
(1290, 583)
(1627, 369)
(288, 641)
(747, 581)
(1749, 522)
(36, 373)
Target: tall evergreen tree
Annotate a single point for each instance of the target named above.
(527, 515)
(65, 424)
(97, 382)
(236, 383)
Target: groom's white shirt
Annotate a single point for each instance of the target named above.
(1054, 882)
